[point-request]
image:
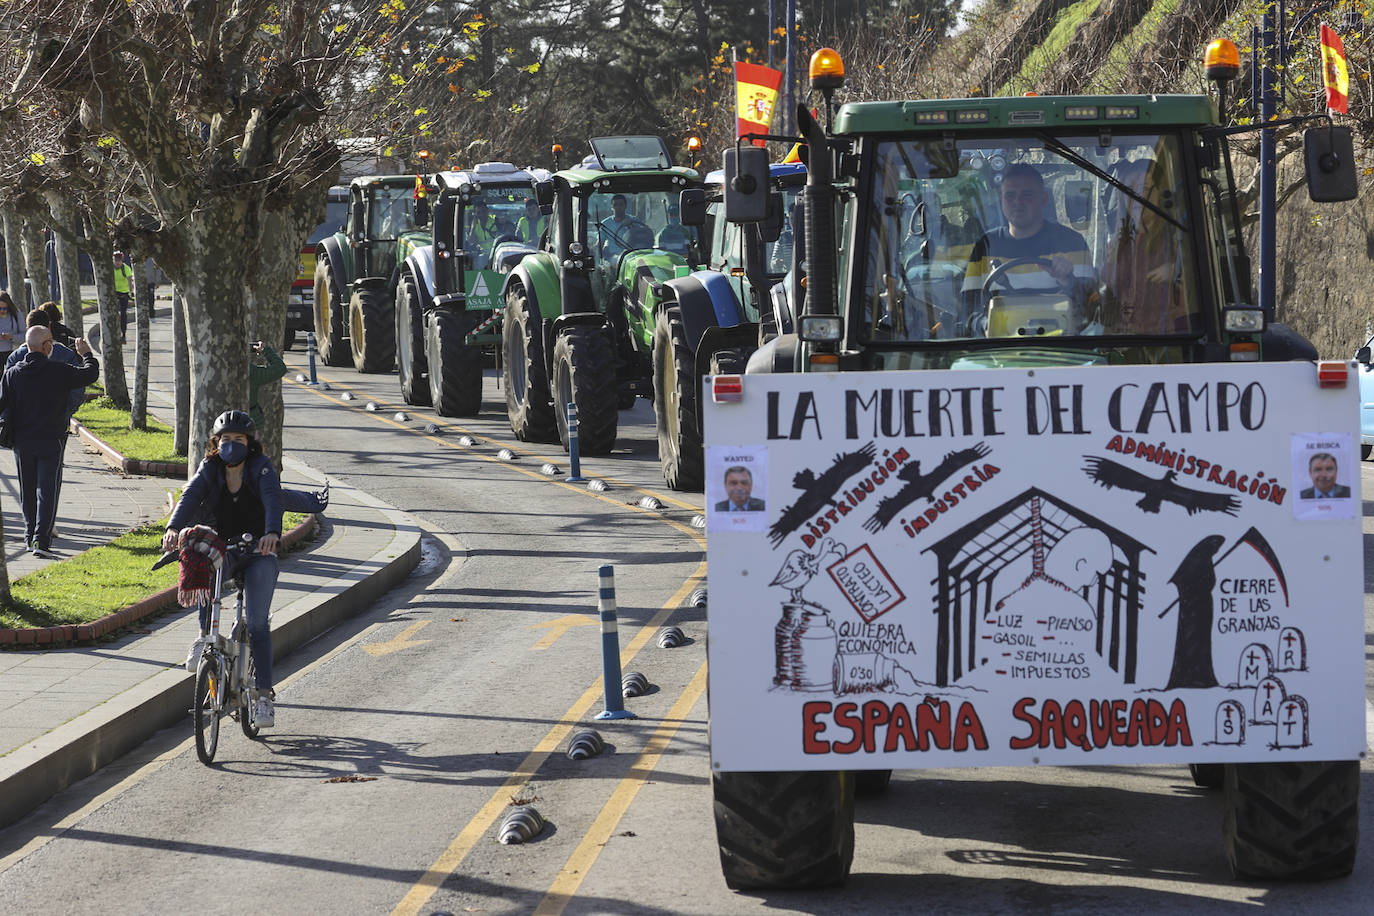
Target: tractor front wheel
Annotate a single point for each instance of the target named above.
(1292, 821)
(371, 332)
(455, 369)
(784, 830)
(410, 343)
(584, 374)
(528, 403)
(675, 404)
(329, 315)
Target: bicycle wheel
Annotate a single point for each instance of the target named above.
(248, 710)
(209, 685)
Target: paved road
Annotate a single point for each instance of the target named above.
(379, 791)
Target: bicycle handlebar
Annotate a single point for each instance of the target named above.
(243, 545)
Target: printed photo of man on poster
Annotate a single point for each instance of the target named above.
(1321, 471)
(736, 484)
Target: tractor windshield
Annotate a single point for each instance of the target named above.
(494, 216)
(623, 221)
(1028, 237)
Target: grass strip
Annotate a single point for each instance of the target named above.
(111, 425)
(97, 582)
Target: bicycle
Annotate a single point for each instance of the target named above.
(226, 673)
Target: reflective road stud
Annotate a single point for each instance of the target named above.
(610, 647)
(574, 463)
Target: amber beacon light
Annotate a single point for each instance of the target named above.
(1221, 61)
(827, 69)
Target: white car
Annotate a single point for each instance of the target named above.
(1365, 357)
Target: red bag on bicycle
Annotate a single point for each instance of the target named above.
(202, 555)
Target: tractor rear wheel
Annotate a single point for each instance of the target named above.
(784, 830)
(528, 404)
(675, 404)
(371, 330)
(584, 374)
(1292, 821)
(871, 782)
(329, 315)
(1207, 775)
(410, 343)
(455, 370)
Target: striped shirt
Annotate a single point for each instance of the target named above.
(1051, 241)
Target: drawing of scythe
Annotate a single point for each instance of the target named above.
(1261, 546)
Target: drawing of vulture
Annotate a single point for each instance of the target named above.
(1157, 491)
(799, 567)
(819, 492)
(919, 484)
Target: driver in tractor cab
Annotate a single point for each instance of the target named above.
(532, 224)
(620, 231)
(1054, 258)
(673, 236)
(482, 232)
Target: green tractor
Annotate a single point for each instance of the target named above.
(580, 313)
(448, 294)
(355, 271)
(1087, 236)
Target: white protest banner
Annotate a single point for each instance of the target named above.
(1065, 566)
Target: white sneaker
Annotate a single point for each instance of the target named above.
(193, 654)
(265, 715)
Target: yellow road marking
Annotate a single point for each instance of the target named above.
(586, 853)
(560, 626)
(401, 641)
(458, 850)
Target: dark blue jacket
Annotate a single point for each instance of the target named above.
(62, 355)
(201, 496)
(34, 395)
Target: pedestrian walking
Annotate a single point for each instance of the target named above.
(123, 280)
(60, 332)
(33, 398)
(11, 326)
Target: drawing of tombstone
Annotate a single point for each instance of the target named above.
(1292, 650)
(1255, 662)
(1291, 728)
(1269, 693)
(1230, 722)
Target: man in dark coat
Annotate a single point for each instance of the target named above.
(33, 396)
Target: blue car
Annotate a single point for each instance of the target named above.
(1366, 360)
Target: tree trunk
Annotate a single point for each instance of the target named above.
(267, 289)
(111, 352)
(35, 264)
(138, 408)
(68, 262)
(181, 374)
(14, 259)
(4, 567)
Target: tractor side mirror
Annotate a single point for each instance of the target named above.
(1329, 156)
(692, 207)
(1363, 357)
(746, 184)
(543, 193)
(771, 228)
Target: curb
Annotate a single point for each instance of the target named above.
(32, 774)
(128, 465)
(87, 632)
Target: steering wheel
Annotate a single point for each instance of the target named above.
(1000, 272)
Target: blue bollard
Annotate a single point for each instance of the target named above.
(610, 647)
(574, 460)
(310, 351)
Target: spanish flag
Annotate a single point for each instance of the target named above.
(756, 94)
(1334, 71)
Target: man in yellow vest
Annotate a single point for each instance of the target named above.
(123, 280)
(531, 225)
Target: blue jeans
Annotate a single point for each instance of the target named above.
(38, 462)
(259, 582)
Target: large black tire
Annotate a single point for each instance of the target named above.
(372, 330)
(411, 364)
(871, 782)
(584, 374)
(784, 830)
(675, 404)
(528, 403)
(248, 719)
(203, 711)
(329, 315)
(1292, 821)
(455, 370)
(288, 340)
(1207, 775)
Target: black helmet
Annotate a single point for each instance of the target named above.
(234, 421)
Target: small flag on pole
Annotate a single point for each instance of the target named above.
(756, 94)
(1335, 73)
(420, 188)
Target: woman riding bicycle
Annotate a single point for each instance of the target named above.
(236, 491)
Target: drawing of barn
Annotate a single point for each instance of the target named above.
(1027, 526)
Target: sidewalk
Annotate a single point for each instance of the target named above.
(64, 713)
